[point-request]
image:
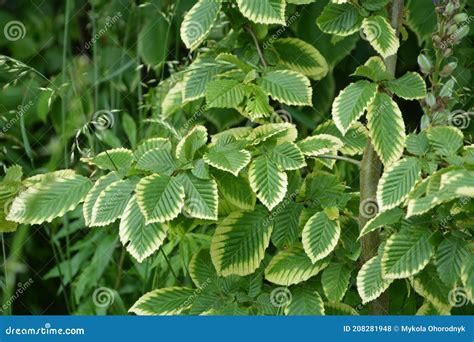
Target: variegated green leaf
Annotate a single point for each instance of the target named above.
(370, 283)
(267, 181)
(386, 128)
(140, 239)
(165, 301)
(292, 266)
(351, 104)
(263, 11)
(406, 253)
(335, 280)
(198, 22)
(201, 197)
(317, 145)
(113, 160)
(224, 93)
(160, 198)
(191, 143)
(410, 86)
(320, 236)
(397, 181)
(239, 242)
(287, 156)
(340, 19)
(305, 301)
(288, 87)
(381, 35)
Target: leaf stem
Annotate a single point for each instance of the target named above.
(257, 45)
(346, 159)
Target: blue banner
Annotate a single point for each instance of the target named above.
(245, 329)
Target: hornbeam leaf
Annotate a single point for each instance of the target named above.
(444, 140)
(263, 11)
(292, 266)
(429, 309)
(384, 218)
(317, 145)
(157, 160)
(287, 156)
(52, 196)
(428, 285)
(351, 103)
(198, 76)
(224, 93)
(340, 19)
(304, 302)
(381, 35)
(451, 255)
(302, 57)
(339, 309)
(335, 280)
(111, 202)
(374, 68)
(289, 87)
(151, 144)
(198, 22)
(92, 196)
(386, 128)
(236, 190)
(201, 199)
(320, 236)
(406, 253)
(160, 198)
(165, 301)
(140, 239)
(267, 181)
(113, 160)
(374, 5)
(370, 283)
(191, 143)
(410, 86)
(232, 161)
(201, 269)
(396, 183)
(239, 242)
(456, 183)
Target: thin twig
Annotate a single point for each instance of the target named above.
(349, 160)
(257, 45)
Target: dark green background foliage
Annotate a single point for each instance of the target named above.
(234, 157)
